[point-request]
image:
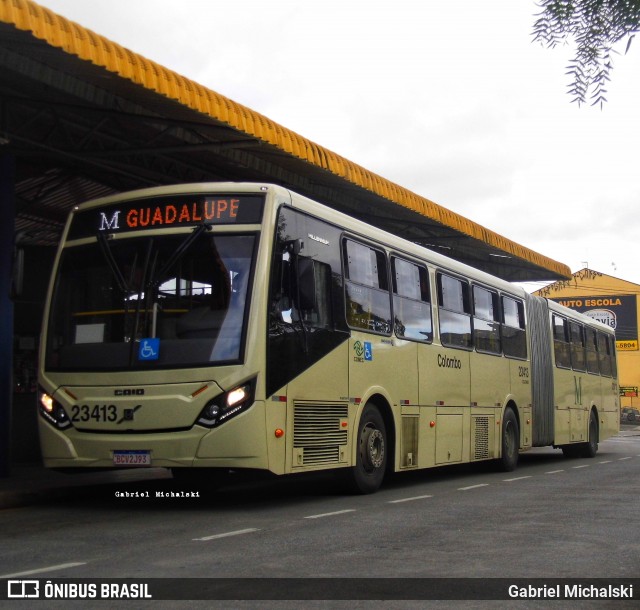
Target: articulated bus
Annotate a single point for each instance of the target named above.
(223, 326)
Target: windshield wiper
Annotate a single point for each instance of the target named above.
(156, 278)
(111, 262)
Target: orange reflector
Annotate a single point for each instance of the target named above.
(432, 424)
(279, 432)
(199, 391)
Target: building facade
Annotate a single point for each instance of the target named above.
(614, 302)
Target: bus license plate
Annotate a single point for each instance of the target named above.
(132, 458)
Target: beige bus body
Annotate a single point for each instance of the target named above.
(372, 401)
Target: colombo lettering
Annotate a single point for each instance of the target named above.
(445, 362)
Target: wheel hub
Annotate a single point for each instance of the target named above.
(373, 446)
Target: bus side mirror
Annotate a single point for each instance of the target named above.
(305, 294)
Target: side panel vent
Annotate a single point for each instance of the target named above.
(481, 438)
(320, 433)
(409, 442)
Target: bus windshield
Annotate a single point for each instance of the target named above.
(155, 301)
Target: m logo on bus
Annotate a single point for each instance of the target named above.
(106, 224)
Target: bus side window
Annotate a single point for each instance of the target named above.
(561, 346)
(486, 325)
(411, 302)
(368, 302)
(318, 307)
(514, 336)
(454, 312)
(604, 354)
(578, 351)
(592, 351)
(612, 356)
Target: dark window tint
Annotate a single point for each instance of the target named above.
(592, 351)
(578, 349)
(454, 312)
(368, 303)
(486, 321)
(561, 344)
(605, 354)
(411, 302)
(514, 336)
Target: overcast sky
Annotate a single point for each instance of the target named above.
(451, 100)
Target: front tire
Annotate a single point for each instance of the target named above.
(371, 456)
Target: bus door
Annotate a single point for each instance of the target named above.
(570, 418)
(308, 342)
(445, 374)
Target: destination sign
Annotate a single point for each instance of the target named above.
(167, 212)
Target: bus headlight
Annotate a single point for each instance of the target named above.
(52, 411)
(227, 405)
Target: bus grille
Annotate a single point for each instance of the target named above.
(482, 438)
(320, 433)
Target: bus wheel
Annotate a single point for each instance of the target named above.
(510, 441)
(371, 457)
(590, 448)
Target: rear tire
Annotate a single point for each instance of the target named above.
(371, 454)
(510, 441)
(590, 448)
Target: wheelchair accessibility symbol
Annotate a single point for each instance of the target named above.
(149, 349)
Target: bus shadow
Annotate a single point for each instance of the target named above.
(257, 491)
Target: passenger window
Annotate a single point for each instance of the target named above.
(578, 348)
(592, 351)
(411, 302)
(612, 356)
(486, 324)
(561, 346)
(368, 302)
(604, 354)
(454, 312)
(514, 335)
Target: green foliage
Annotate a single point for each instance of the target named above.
(595, 27)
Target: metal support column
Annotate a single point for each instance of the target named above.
(7, 223)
